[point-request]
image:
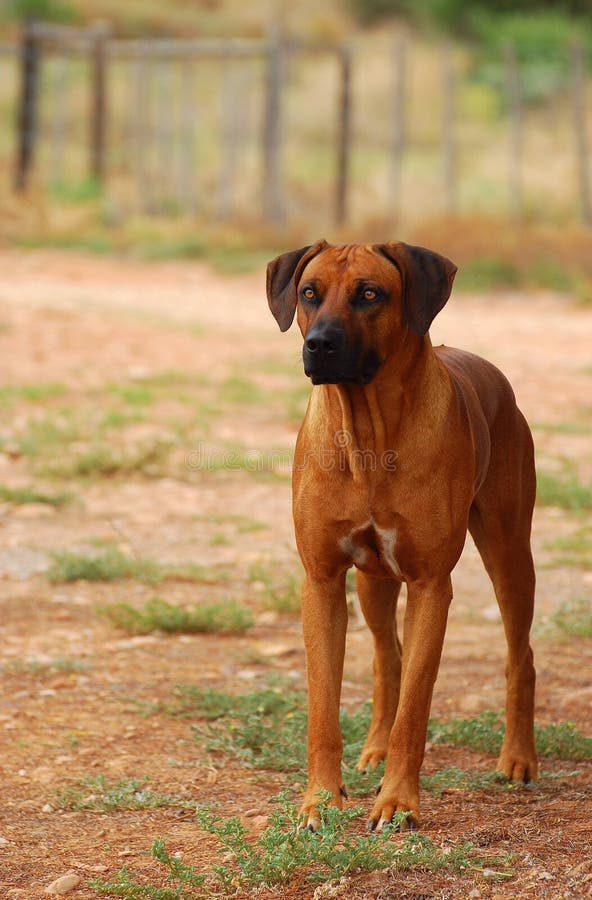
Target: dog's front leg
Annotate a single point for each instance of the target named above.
(426, 615)
(324, 623)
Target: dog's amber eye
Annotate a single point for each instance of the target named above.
(308, 293)
(369, 294)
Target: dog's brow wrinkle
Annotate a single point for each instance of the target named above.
(344, 252)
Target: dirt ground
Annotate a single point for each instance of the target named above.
(85, 325)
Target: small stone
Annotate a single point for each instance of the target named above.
(251, 813)
(267, 618)
(4, 842)
(270, 650)
(47, 808)
(491, 613)
(63, 884)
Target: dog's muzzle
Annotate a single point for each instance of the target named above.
(330, 358)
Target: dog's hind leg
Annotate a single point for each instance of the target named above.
(378, 600)
(500, 522)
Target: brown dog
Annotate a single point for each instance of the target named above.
(403, 447)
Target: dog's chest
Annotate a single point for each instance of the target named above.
(372, 548)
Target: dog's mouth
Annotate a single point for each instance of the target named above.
(339, 372)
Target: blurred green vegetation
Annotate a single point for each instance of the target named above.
(48, 10)
(464, 16)
(541, 33)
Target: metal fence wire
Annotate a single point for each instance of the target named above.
(278, 130)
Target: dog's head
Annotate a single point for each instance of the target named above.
(356, 303)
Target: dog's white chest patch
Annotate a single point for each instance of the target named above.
(388, 541)
(382, 542)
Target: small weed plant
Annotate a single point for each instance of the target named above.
(22, 495)
(41, 669)
(485, 733)
(284, 851)
(564, 491)
(98, 794)
(159, 615)
(280, 593)
(109, 563)
(574, 618)
(574, 549)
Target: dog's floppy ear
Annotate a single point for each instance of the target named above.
(427, 281)
(283, 273)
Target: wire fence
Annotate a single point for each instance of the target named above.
(278, 130)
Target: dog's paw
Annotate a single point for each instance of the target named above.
(389, 803)
(370, 758)
(309, 816)
(517, 765)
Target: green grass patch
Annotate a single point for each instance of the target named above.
(109, 563)
(138, 393)
(262, 730)
(242, 524)
(562, 740)
(280, 589)
(241, 390)
(75, 192)
(562, 427)
(98, 794)
(573, 618)
(49, 435)
(33, 393)
(564, 491)
(157, 614)
(485, 733)
(22, 495)
(452, 777)
(44, 669)
(283, 851)
(273, 464)
(485, 273)
(266, 729)
(488, 273)
(101, 460)
(574, 549)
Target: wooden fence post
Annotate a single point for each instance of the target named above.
(27, 109)
(398, 132)
(58, 85)
(515, 114)
(98, 113)
(230, 134)
(343, 137)
(449, 155)
(580, 130)
(187, 117)
(144, 133)
(273, 203)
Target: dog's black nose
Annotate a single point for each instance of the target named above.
(324, 339)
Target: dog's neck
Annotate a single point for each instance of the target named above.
(373, 415)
